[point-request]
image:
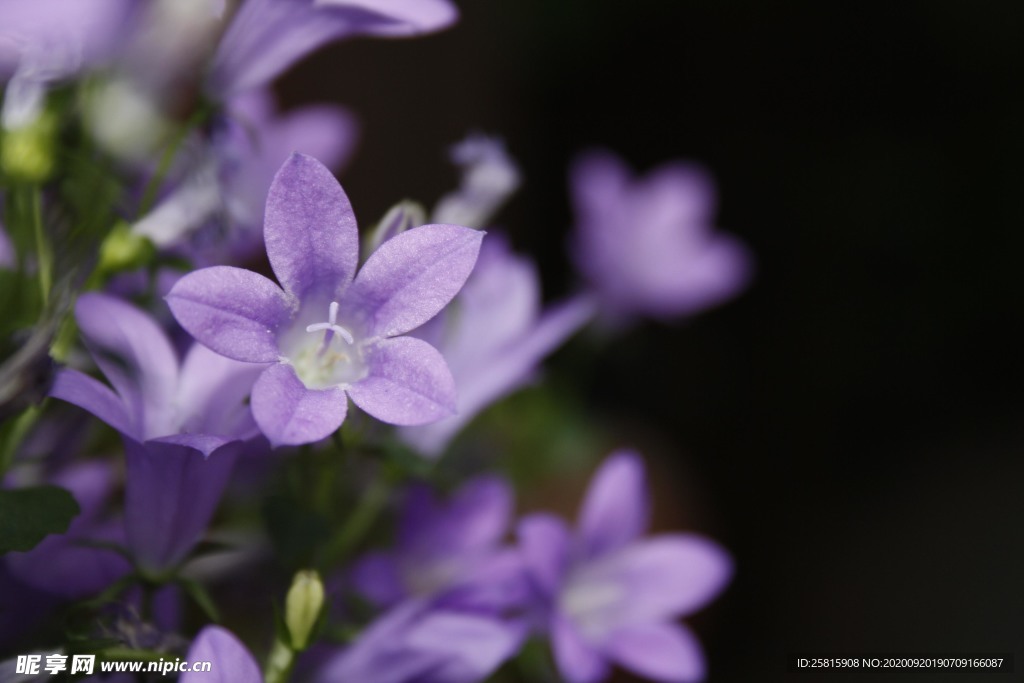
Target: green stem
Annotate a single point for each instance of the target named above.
(360, 521)
(15, 434)
(279, 663)
(43, 252)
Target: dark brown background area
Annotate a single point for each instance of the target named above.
(855, 419)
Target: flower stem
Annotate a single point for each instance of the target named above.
(360, 521)
(44, 255)
(167, 159)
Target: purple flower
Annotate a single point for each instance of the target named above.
(182, 424)
(611, 596)
(646, 245)
(327, 331)
(421, 642)
(453, 550)
(45, 41)
(233, 177)
(493, 336)
(230, 661)
(268, 36)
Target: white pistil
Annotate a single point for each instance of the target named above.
(331, 327)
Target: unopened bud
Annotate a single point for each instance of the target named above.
(124, 250)
(402, 216)
(302, 607)
(27, 151)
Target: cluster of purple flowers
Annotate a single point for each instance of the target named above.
(422, 323)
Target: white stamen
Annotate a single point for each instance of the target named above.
(331, 325)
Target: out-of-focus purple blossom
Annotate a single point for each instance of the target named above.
(182, 424)
(266, 37)
(231, 182)
(46, 41)
(493, 337)
(489, 177)
(230, 661)
(609, 596)
(63, 565)
(647, 246)
(327, 331)
(450, 551)
(426, 643)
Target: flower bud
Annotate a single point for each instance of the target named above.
(402, 216)
(26, 152)
(124, 250)
(302, 607)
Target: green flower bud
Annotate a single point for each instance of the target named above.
(27, 152)
(124, 250)
(302, 607)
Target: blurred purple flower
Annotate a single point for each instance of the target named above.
(419, 641)
(327, 331)
(230, 661)
(451, 551)
(610, 596)
(46, 41)
(266, 37)
(233, 177)
(489, 177)
(646, 246)
(493, 336)
(182, 426)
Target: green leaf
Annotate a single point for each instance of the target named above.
(28, 515)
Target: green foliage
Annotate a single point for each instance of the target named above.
(28, 515)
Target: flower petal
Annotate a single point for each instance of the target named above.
(471, 646)
(663, 577)
(479, 514)
(505, 369)
(171, 492)
(408, 383)
(85, 392)
(233, 311)
(616, 508)
(398, 17)
(544, 544)
(577, 661)
(135, 355)
(663, 652)
(212, 393)
(377, 578)
(310, 231)
(411, 277)
(230, 661)
(289, 414)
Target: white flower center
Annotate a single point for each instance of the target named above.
(592, 603)
(324, 360)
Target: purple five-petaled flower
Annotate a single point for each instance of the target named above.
(327, 331)
(450, 550)
(183, 424)
(646, 245)
(607, 595)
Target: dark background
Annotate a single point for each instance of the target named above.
(851, 427)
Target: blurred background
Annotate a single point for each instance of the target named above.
(852, 427)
